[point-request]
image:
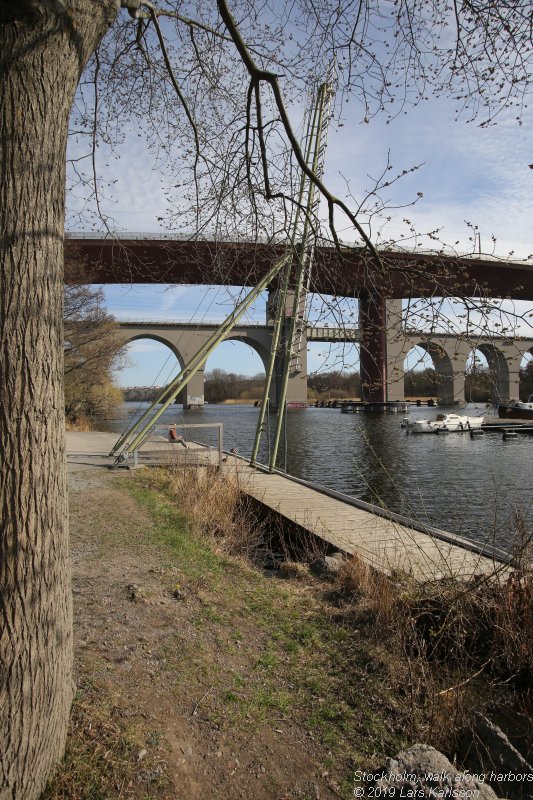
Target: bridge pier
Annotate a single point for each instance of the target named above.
(513, 363)
(381, 360)
(373, 354)
(192, 397)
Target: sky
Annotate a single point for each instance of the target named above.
(466, 174)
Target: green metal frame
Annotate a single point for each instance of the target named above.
(134, 436)
(318, 120)
(282, 297)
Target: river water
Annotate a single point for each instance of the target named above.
(471, 487)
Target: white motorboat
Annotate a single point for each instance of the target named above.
(444, 423)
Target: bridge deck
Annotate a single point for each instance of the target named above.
(146, 258)
(385, 544)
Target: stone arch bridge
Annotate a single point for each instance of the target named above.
(449, 354)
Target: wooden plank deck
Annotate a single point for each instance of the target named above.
(385, 544)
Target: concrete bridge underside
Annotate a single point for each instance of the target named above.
(449, 354)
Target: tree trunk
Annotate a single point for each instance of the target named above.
(44, 45)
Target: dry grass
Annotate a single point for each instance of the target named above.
(82, 424)
(453, 645)
(356, 579)
(214, 504)
(102, 758)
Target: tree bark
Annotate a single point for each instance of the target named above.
(44, 45)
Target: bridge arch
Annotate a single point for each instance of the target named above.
(526, 375)
(235, 370)
(498, 370)
(128, 338)
(260, 347)
(444, 369)
(192, 396)
(260, 340)
(526, 357)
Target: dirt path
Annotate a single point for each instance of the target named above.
(193, 671)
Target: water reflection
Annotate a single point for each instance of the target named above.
(379, 461)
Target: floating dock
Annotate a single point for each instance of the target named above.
(497, 425)
(385, 541)
(353, 407)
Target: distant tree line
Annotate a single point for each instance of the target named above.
(333, 385)
(421, 383)
(221, 385)
(479, 383)
(141, 393)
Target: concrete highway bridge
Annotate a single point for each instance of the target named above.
(449, 354)
(351, 272)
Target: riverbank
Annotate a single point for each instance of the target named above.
(198, 676)
(202, 675)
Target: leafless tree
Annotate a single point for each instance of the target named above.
(217, 83)
(93, 348)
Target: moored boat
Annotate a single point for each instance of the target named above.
(517, 410)
(453, 423)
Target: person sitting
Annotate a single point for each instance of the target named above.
(174, 438)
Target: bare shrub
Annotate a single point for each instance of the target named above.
(297, 544)
(513, 624)
(356, 579)
(453, 646)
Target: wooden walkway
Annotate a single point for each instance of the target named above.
(388, 545)
(385, 544)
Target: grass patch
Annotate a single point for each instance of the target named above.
(355, 669)
(437, 649)
(102, 755)
(177, 534)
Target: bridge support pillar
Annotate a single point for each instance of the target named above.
(186, 343)
(513, 364)
(395, 344)
(373, 356)
(297, 386)
(193, 394)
